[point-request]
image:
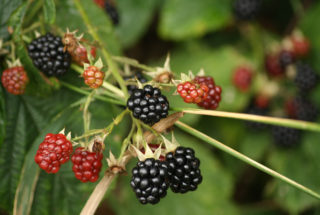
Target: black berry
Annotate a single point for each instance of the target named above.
(246, 9)
(138, 76)
(149, 180)
(112, 12)
(305, 109)
(286, 58)
(48, 55)
(148, 104)
(255, 110)
(306, 78)
(286, 137)
(183, 170)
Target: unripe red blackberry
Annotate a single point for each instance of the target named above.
(80, 55)
(149, 180)
(183, 170)
(242, 77)
(301, 46)
(246, 9)
(273, 66)
(48, 55)
(192, 93)
(139, 77)
(14, 80)
(286, 137)
(86, 164)
(148, 104)
(52, 152)
(306, 78)
(214, 94)
(93, 77)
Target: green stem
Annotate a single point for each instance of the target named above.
(127, 141)
(105, 84)
(255, 118)
(86, 113)
(88, 134)
(132, 62)
(116, 121)
(84, 92)
(244, 158)
(112, 66)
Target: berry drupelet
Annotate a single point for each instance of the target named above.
(149, 180)
(286, 137)
(86, 164)
(52, 152)
(246, 9)
(183, 170)
(213, 98)
(14, 80)
(148, 104)
(48, 55)
(306, 78)
(139, 77)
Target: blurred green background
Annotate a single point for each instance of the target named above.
(197, 34)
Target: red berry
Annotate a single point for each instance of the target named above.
(262, 101)
(100, 3)
(52, 152)
(273, 65)
(14, 79)
(80, 55)
(242, 77)
(213, 98)
(86, 164)
(93, 77)
(301, 46)
(191, 92)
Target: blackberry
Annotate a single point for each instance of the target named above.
(254, 110)
(148, 104)
(183, 170)
(306, 78)
(246, 9)
(305, 109)
(138, 76)
(48, 55)
(149, 180)
(286, 137)
(112, 12)
(286, 58)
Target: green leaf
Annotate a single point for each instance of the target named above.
(6, 8)
(49, 11)
(67, 11)
(135, 18)
(211, 197)
(182, 19)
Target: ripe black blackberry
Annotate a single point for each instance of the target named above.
(48, 55)
(286, 137)
(286, 58)
(149, 180)
(112, 12)
(183, 170)
(246, 9)
(137, 75)
(305, 109)
(254, 110)
(306, 78)
(148, 104)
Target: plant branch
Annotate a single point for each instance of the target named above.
(244, 158)
(86, 114)
(249, 117)
(132, 62)
(112, 66)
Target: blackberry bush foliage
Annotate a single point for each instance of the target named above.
(62, 68)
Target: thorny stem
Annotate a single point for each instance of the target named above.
(264, 119)
(132, 62)
(244, 158)
(112, 66)
(105, 84)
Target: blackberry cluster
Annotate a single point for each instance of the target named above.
(112, 12)
(148, 104)
(138, 76)
(286, 137)
(306, 78)
(149, 180)
(246, 9)
(183, 170)
(48, 55)
(305, 110)
(286, 58)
